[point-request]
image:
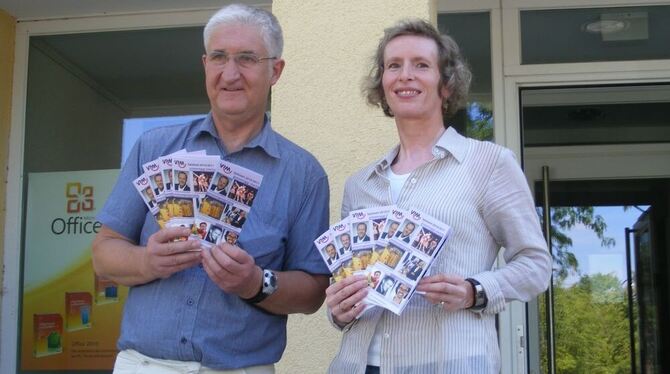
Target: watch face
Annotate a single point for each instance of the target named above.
(269, 282)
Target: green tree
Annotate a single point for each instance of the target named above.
(479, 122)
(591, 334)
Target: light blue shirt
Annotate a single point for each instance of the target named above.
(186, 316)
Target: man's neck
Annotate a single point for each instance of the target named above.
(236, 131)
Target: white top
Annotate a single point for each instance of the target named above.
(396, 182)
(480, 191)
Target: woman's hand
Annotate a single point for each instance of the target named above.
(450, 291)
(344, 299)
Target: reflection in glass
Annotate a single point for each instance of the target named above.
(596, 115)
(595, 34)
(472, 32)
(591, 318)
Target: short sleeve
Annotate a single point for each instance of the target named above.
(311, 221)
(125, 211)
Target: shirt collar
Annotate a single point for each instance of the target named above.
(266, 139)
(450, 141)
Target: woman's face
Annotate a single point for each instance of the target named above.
(411, 78)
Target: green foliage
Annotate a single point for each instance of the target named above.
(591, 327)
(479, 122)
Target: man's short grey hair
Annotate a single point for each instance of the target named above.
(265, 21)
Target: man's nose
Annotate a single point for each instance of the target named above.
(230, 71)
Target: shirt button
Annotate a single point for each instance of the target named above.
(145, 362)
(189, 301)
(183, 340)
(386, 336)
(413, 180)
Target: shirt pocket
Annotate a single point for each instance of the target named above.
(264, 236)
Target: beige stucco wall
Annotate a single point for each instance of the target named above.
(318, 104)
(7, 31)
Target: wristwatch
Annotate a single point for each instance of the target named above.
(479, 294)
(268, 287)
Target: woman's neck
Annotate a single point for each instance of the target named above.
(416, 144)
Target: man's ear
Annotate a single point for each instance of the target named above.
(277, 68)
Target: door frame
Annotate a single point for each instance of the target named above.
(596, 162)
(10, 308)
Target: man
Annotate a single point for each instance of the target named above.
(345, 240)
(214, 234)
(151, 199)
(386, 285)
(239, 219)
(406, 232)
(221, 185)
(431, 247)
(374, 279)
(181, 185)
(416, 269)
(361, 233)
(401, 291)
(393, 227)
(158, 180)
(167, 173)
(229, 313)
(231, 237)
(331, 254)
(202, 230)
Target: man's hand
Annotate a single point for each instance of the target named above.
(164, 257)
(233, 270)
(451, 291)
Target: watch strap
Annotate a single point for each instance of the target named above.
(268, 287)
(480, 299)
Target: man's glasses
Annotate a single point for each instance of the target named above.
(244, 59)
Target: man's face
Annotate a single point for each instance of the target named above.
(203, 225)
(239, 93)
(222, 183)
(330, 250)
(150, 193)
(346, 240)
(402, 290)
(376, 275)
(181, 177)
(231, 237)
(159, 181)
(409, 227)
(393, 228)
(216, 233)
(361, 229)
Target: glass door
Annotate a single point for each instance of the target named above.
(603, 198)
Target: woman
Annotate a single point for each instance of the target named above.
(476, 187)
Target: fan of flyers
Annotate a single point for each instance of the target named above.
(191, 189)
(392, 246)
